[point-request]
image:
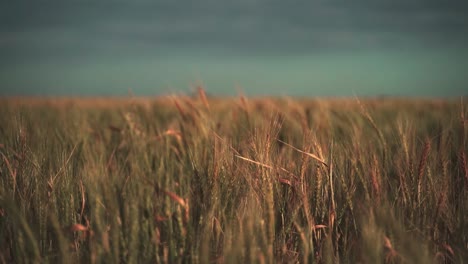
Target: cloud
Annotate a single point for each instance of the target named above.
(120, 43)
(261, 25)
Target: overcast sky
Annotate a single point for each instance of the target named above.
(363, 47)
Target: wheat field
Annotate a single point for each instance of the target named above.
(233, 180)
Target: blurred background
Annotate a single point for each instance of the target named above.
(258, 47)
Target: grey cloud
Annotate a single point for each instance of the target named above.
(233, 25)
(120, 43)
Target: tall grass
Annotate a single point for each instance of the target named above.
(234, 180)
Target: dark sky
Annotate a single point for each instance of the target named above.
(363, 47)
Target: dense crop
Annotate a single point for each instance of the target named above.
(236, 180)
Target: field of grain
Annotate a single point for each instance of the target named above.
(236, 180)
